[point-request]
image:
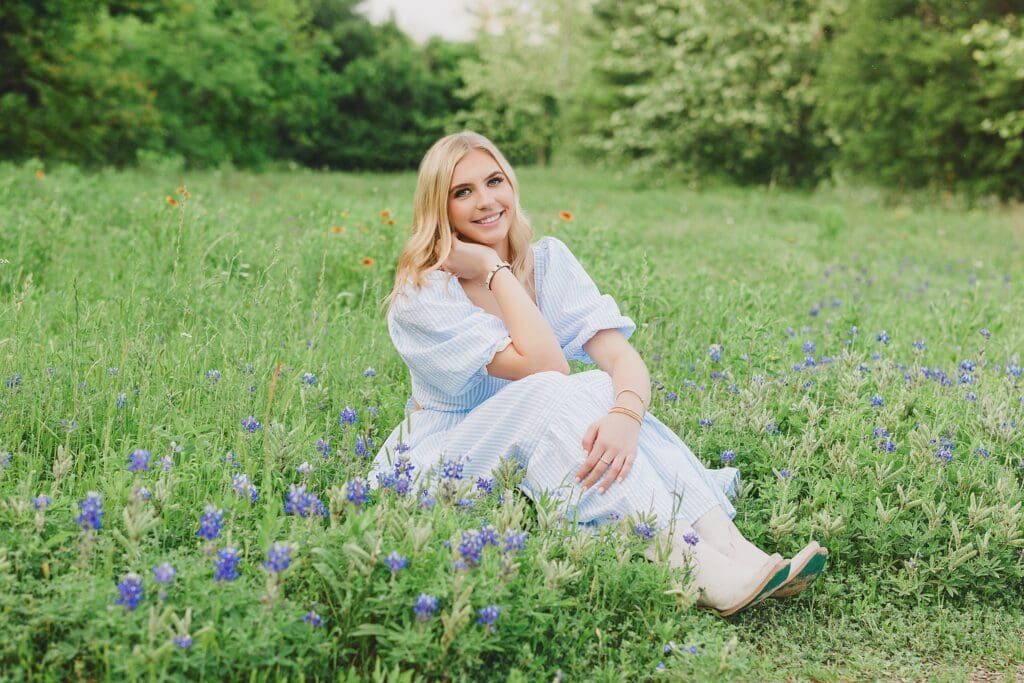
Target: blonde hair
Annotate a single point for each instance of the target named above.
(431, 240)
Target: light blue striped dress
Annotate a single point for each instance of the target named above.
(447, 342)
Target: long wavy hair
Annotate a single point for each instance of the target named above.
(431, 240)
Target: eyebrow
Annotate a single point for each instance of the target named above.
(462, 185)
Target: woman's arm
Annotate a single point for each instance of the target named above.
(611, 442)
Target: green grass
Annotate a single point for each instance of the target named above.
(98, 271)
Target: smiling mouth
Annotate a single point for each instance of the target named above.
(490, 220)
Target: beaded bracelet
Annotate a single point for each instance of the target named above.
(494, 271)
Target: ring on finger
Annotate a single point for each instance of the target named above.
(606, 461)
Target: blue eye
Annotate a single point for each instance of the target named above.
(461, 193)
(495, 181)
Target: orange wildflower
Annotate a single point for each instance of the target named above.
(565, 215)
(181, 190)
(171, 201)
(368, 261)
(40, 175)
(385, 215)
(338, 229)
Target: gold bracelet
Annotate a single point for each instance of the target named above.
(635, 393)
(622, 410)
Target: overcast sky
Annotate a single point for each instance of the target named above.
(423, 18)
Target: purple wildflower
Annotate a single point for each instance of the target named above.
(313, 619)
(369, 372)
(877, 401)
(985, 333)
(250, 424)
(121, 401)
(226, 564)
(41, 502)
(184, 642)
(452, 469)
(465, 503)
(485, 485)
(488, 615)
(305, 469)
(14, 380)
(363, 446)
(671, 396)
(809, 347)
(471, 547)
(213, 375)
(786, 474)
(302, 503)
(715, 351)
(357, 491)
(163, 573)
(323, 447)
(210, 523)
(427, 500)
(309, 378)
(348, 416)
(643, 530)
(279, 556)
(396, 562)
(131, 591)
(883, 337)
(91, 511)
(727, 457)
(244, 488)
(488, 535)
(706, 422)
(691, 538)
(424, 606)
(138, 460)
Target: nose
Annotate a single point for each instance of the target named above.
(484, 198)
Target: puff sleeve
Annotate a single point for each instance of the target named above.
(574, 306)
(445, 339)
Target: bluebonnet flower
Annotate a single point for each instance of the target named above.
(815, 310)
(401, 448)
(772, 428)
(69, 426)
(877, 401)
(305, 469)
(790, 332)
(313, 619)
(369, 372)
(309, 378)
(643, 530)
(210, 523)
(864, 370)
(424, 606)
(465, 503)
(138, 460)
(798, 367)
(808, 384)
(786, 474)
(471, 547)
(1014, 369)
(184, 642)
(131, 591)
(163, 573)
(692, 649)
(661, 666)
(91, 511)
(396, 562)
(485, 484)
(809, 362)
(982, 451)
(876, 355)
(717, 375)
(279, 556)
(348, 416)
(985, 333)
(143, 493)
(250, 424)
(302, 503)
(715, 351)
(967, 365)
(488, 535)
(244, 488)
(825, 360)
(121, 401)
(880, 433)
(14, 381)
(452, 469)
(213, 375)
(883, 337)
(427, 500)
(488, 615)
(852, 331)
(323, 447)
(944, 452)
(5, 460)
(919, 345)
(691, 538)
(809, 347)
(671, 396)
(41, 502)
(970, 396)
(226, 564)
(706, 422)
(363, 446)
(357, 491)
(966, 378)
(727, 457)
(732, 389)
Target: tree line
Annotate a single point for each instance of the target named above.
(906, 93)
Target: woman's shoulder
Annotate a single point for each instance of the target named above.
(437, 288)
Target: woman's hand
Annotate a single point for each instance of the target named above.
(468, 260)
(610, 444)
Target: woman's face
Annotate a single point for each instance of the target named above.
(480, 200)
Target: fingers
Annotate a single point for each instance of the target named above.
(617, 471)
(597, 466)
(588, 437)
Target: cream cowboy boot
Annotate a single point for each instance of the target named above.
(725, 585)
(716, 527)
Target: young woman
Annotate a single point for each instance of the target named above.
(487, 321)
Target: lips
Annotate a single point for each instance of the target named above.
(491, 219)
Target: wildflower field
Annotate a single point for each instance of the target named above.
(196, 373)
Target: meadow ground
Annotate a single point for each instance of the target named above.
(176, 340)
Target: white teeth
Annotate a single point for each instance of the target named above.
(489, 219)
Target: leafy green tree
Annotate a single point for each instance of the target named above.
(918, 97)
(712, 88)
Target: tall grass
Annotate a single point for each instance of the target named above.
(157, 310)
